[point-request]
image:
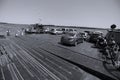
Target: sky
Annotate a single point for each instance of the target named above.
(88, 13)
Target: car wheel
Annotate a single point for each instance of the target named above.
(75, 44)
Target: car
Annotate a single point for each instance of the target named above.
(72, 38)
(67, 30)
(94, 36)
(2, 37)
(46, 30)
(56, 31)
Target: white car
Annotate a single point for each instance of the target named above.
(56, 31)
(46, 30)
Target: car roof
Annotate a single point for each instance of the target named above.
(97, 32)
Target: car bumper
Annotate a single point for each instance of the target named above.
(67, 42)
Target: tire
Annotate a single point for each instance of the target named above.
(75, 44)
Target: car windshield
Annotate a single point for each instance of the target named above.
(71, 34)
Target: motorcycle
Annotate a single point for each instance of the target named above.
(112, 53)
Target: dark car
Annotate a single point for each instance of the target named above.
(72, 38)
(94, 36)
(2, 37)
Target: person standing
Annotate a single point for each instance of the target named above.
(8, 32)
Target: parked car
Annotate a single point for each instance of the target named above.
(2, 37)
(94, 36)
(67, 30)
(72, 38)
(56, 31)
(46, 30)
